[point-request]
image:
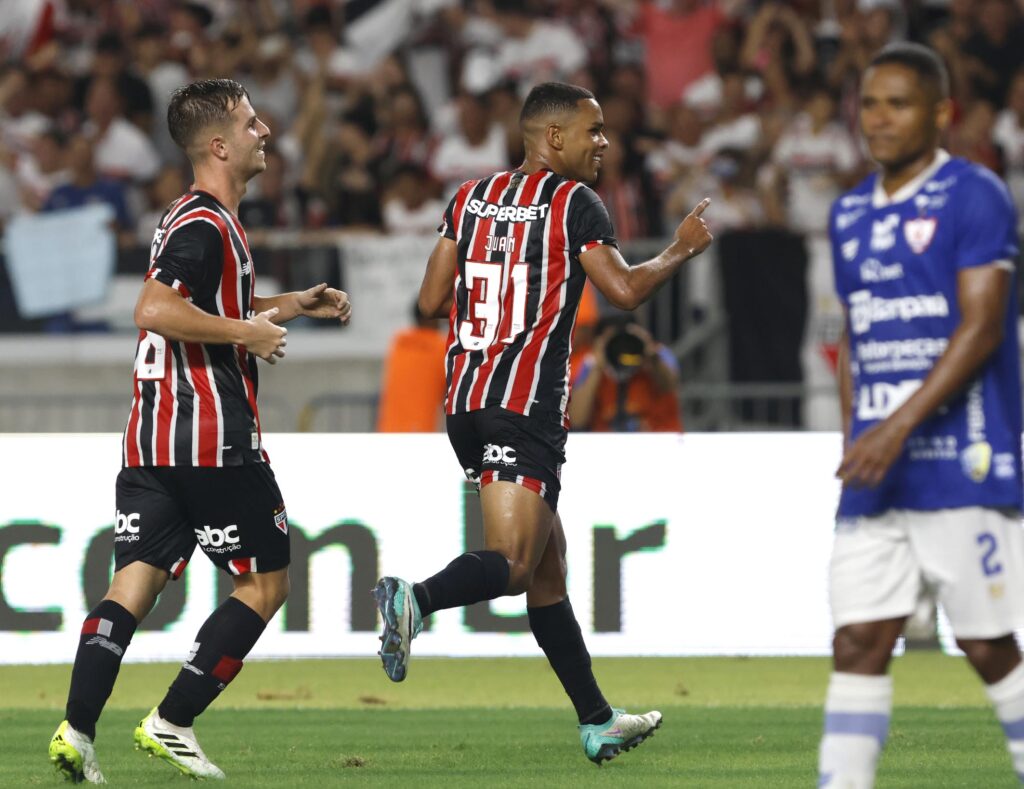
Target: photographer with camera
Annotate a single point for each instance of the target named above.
(626, 384)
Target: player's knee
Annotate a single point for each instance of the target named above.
(991, 657)
(520, 577)
(861, 648)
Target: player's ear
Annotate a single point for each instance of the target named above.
(217, 147)
(555, 136)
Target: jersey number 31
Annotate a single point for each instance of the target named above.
(491, 307)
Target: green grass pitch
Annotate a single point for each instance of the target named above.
(729, 722)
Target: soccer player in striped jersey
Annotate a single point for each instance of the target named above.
(194, 470)
(508, 270)
(924, 253)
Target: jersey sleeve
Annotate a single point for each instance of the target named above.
(447, 226)
(190, 261)
(588, 223)
(986, 221)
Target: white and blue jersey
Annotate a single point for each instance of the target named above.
(896, 261)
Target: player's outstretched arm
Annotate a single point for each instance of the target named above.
(435, 299)
(319, 301)
(628, 287)
(982, 295)
(162, 310)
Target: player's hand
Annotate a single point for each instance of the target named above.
(867, 460)
(266, 339)
(321, 301)
(693, 234)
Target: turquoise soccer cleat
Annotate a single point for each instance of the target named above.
(402, 623)
(622, 732)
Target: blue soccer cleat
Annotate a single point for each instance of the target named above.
(402, 623)
(621, 732)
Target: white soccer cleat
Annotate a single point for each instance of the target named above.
(74, 756)
(176, 745)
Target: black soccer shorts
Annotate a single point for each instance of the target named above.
(235, 514)
(496, 444)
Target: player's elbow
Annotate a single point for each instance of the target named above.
(147, 315)
(430, 306)
(624, 298)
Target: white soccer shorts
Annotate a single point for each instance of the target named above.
(970, 559)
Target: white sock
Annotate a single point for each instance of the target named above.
(1007, 697)
(857, 710)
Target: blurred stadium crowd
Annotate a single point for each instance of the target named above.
(380, 108)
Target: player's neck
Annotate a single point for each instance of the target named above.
(228, 193)
(897, 177)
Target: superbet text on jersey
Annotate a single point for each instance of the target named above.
(518, 288)
(896, 260)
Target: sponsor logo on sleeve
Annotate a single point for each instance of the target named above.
(281, 519)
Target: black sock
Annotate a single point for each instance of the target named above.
(106, 634)
(472, 577)
(223, 640)
(558, 634)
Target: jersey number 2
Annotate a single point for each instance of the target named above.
(485, 314)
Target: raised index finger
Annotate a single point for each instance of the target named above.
(701, 206)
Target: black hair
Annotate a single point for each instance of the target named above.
(922, 60)
(194, 107)
(552, 97)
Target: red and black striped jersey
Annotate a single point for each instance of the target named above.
(194, 404)
(517, 289)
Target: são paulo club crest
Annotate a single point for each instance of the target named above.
(919, 233)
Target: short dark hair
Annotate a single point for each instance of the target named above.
(552, 97)
(194, 107)
(922, 60)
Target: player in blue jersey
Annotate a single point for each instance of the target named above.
(924, 254)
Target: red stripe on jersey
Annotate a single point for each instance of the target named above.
(206, 451)
(527, 370)
(590, 245)
(478, 393)
(179, 286)
(227, 669)
(458, 211)
(132, 451)
(250, 391)
(197, 215)
(167, 395)
(476, 251)
(241, 233)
